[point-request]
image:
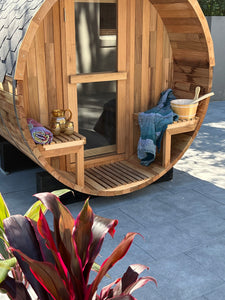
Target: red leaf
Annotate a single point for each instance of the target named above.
(119, 252)
(107, 289)
(63, 220)
(21, 235)
(123, 297)
(63, 226)
(45, 251)
(47, 235)
(82, 233)
(138, 284)
(130, 281)
(131, 275)
(48, 277)
(99, 230)
(16, 290)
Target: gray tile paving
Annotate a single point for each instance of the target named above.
(180, 277)
(203, 226)
(217, 294)
(211, 255)
(182, 221)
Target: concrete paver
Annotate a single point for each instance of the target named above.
(182, 221)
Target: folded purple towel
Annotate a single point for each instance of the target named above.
(40, 134)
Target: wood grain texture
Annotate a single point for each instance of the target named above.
(161, 44)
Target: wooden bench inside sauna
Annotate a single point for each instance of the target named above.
(106, 61)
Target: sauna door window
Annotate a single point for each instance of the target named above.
(97, 75)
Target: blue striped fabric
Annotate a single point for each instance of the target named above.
(153, 124)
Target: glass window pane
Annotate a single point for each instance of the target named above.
(96, 37)
(97, 113)
(108, 18)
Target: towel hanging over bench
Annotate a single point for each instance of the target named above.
(153, 124)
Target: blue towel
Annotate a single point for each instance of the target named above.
(153, 124)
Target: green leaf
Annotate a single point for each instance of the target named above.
(96, 267)
(4, 212)
(3, 246)
(213, 7)
(61, 192)
(34, 210)
(5, 266)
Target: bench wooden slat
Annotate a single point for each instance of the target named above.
(63, 146)
(68, 145)
(172, 129)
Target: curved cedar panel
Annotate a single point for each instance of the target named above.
(161, 44)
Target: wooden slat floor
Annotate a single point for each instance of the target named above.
(126, 176)
(113, 175)
(119, 177)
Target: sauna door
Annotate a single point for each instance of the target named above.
(97, 78)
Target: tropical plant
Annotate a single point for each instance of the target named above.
(4, 213)
(7, 260)
(57, 262)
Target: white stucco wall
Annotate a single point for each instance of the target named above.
(217, 26)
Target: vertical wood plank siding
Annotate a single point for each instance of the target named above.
(44, 69)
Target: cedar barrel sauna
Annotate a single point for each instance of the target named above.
(105, 60)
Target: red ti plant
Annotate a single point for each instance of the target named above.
(57, 264)
(8, 263)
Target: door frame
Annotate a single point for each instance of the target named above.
(70, 78)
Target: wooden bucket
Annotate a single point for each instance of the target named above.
(184, 108)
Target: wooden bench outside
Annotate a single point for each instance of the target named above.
(65, 145)
(180, 126)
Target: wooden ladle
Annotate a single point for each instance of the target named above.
(202, 97)
(197, 91)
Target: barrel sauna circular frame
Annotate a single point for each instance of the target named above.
(161, 44)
